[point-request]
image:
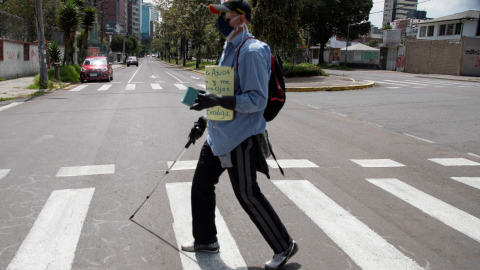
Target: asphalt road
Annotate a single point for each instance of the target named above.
(380, 178)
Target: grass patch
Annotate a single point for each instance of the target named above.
(2, 79)
(6, 98)
(192, 64)
(68, 74)
(337, 67)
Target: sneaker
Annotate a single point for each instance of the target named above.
(279, 260)
(192, 247)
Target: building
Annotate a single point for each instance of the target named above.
(408, 27)
(149, 15)
(451, 27)
(133, 19)
(399, 9)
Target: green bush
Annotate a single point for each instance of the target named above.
(70, 73)
(302, 70)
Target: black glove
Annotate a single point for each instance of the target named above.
(207, 100)
(198, 129)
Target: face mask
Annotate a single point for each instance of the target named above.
(224, 27)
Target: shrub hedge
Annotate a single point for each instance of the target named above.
(301, 70)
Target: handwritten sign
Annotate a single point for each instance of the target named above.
(220, 81)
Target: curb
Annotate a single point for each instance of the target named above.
(448, 79)
(329, 88)
(298, 89)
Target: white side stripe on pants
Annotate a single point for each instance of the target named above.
(229, 257)
(453, 217)
(52, 241)
(364, 246)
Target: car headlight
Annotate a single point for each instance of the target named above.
(83, 69)
(104, 69)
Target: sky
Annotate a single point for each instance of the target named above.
(434, 8)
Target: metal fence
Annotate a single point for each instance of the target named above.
(15, 28)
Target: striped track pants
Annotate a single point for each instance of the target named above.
(243, 178)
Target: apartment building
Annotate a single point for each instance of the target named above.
(401, 9)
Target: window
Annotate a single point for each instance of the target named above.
(458, 28)
(423, 31)
(431, 30)
(26, 52)
(450, 29)
(441, 31)
(1, 50)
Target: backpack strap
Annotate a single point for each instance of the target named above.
(273, 155)
(239, 47)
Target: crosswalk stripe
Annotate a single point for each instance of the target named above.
(78, 88)
(454, 162)
(156, 86)
(404, 82)
(399, 84)
(86, 170)
(130, 87)
(202, 86)
(183, 165)
(228, 258)
(181, 87)
(3, 173)
(291, 163)
(377, 163)
(471, 181)
(366, 248)
(105, 87)
(11, 105)
(53, 239)
(451, 216)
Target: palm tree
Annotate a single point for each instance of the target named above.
(68, 21)
(87, 24)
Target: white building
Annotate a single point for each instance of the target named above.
(452, 27)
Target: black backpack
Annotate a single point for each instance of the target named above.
(276, 88)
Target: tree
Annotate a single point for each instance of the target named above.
(277, 24)
(386, 27)
(68, 21)
(26, 9)
(87, 24)
(326, 18)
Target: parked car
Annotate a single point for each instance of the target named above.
(132, 60)
(96, 68)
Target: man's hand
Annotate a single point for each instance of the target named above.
(207, 100)
(198, 129)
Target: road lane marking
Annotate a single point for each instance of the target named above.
(3, 173)
(130, 87)
(404, 82)
(471, 181)
(78, 88)
(196, 78)
(366, 248)
(183, 165)
(11, 105)
(393, 87)
(229, 256)
(454, 162)
(134, 73)
(86, 170)
(451, 216)
(156, 86)
(291, 163)
(418, 138)
(473, 155)
(181, 87)
(53, 239)
(202, 86)
(390, 83)
(174, 77)
(105, 87)
(377, 163)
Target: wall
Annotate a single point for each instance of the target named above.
(14, 65)
(471, 57)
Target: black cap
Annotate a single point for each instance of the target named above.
(240, 6)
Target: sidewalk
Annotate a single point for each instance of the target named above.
(450, 77)
(16, 88)
(311, 84)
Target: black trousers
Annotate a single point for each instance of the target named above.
(243, 177)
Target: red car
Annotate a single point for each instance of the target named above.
(132, 60)
(96, 68)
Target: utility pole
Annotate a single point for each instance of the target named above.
(346, 49)
(41, 44)
(101, 27)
